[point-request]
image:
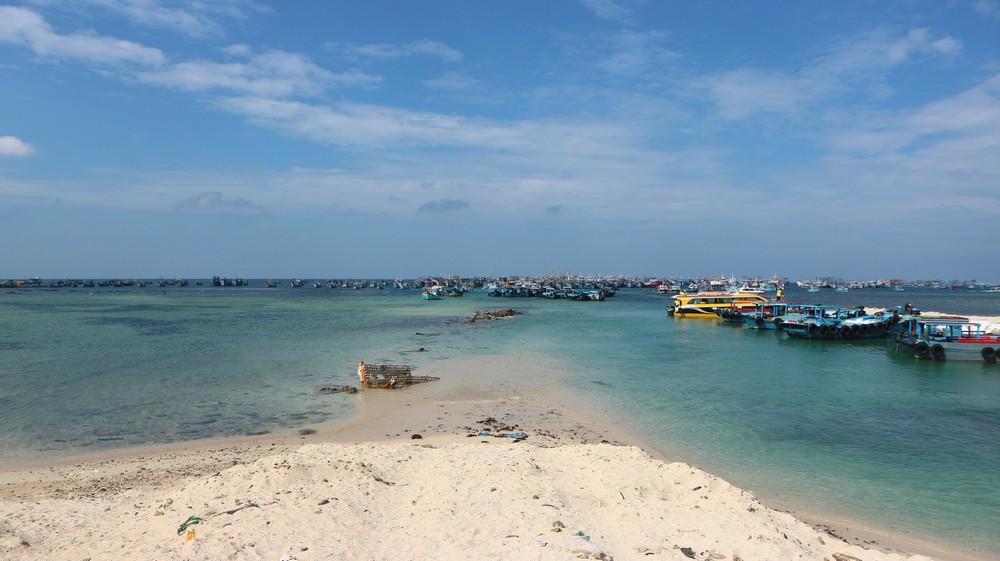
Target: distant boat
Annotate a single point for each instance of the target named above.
(813, 289)
(898, 288)
(842, 289)
(430, 295)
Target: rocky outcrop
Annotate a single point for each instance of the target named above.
(338, 389)
(494, 314)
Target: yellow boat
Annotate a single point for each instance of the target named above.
(705, 304)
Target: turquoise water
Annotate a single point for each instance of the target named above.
(849, 429)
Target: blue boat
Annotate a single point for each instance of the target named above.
(767, 316)
(841, 323)
(431, 294)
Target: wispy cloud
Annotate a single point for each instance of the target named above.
(452, 81)
(443, 205)
(195, 18)
(213, 202)
(375, 52)
(988, 8)
(14, 146)
(623, 53)
(745, 92)
(26, 28)
(608, 9)
(272, 73)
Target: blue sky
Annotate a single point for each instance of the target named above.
(189, 137)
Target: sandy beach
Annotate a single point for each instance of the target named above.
(411, 477)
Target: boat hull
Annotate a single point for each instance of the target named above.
(929, 349)
(766, 323)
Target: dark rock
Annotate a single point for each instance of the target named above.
(307, 432)
(688, 552)
(494, 314)
(324, 502)
(415, 437)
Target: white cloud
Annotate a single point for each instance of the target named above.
(860, 61)
(636, 52)
(391, 51)
(14, 146)
(988, 8)
(625, 52)
(272, 73)
(20, 26)
(195, 18)
(608, 9)
(237, 50)
(364, 125)
(970, 115)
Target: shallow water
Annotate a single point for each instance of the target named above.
(853, 429)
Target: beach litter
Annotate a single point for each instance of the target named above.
(515, 435)
(389, 376)
(191, 521)
(580, 544)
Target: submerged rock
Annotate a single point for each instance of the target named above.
(338, 389)
(494, 314)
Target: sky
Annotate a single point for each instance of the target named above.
(360, 139)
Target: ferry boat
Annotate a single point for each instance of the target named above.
(706, 304)
(948, 338)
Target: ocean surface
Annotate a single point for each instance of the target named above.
(848, 429)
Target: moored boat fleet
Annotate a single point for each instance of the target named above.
(935, 338)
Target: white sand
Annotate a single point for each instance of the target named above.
(433, 500)
(443, 497)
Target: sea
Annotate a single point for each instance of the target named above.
(855, 430)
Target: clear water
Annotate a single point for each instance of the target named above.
(849, 429)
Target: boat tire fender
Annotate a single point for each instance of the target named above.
(937, 351)
(989, 354)
(922, 348)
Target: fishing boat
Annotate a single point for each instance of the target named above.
(813, 289)
(705, 304)
(431, 294)
(768, 316)
(948, 338)
(831, 322)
